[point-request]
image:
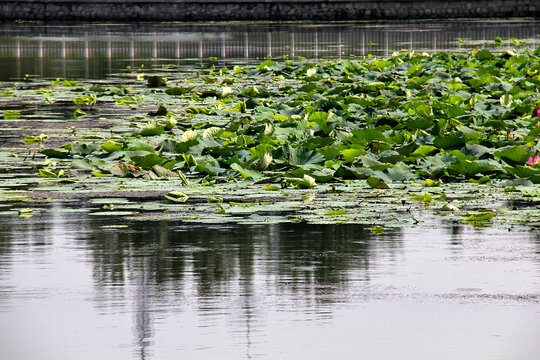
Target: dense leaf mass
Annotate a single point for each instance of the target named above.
(448, 116)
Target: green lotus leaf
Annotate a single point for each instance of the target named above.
(471, 167)
(424, 151)
(442, 76)
(148, 161)
(322, 119)
(401, 172)
(448, 142)
(176, 197)
(349, 155)
(377, 183)
(300, 156)
(156, 81)
(483, 55)
(50, 174)
(163, 172)
(246, 173)
(123, 170)
(11, 114)
(111, 146)
(78, 113)
(55, 153)
(377, 229)
(178, 91)
(152, 128)
(306, 182)
(92, 163)
(482, 216)
(336, 212)
(516, 154)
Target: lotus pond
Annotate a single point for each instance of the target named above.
(377, 207)
(398, 141)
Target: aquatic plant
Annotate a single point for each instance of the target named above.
(445, 116)
(413, 118)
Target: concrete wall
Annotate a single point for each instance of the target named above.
(206, 10)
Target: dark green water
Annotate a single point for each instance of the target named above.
(79, 286)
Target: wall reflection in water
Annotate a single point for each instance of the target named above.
(95, 50)
(307, 265)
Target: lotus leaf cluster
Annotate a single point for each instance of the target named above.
(444, 117)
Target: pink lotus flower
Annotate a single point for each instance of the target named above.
(537, 112)
(532, 162)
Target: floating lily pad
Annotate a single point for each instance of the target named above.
(176, 197)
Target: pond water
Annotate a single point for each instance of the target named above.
(80, 285)
(76, 286)
(95, 50)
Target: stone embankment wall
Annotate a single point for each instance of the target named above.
(206, 10)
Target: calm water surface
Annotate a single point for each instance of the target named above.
(73, 286)
(82, 50)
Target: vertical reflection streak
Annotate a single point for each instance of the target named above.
(55, 50)
(143, 321)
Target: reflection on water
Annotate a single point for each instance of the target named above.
(95, 50)
(78, 286)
